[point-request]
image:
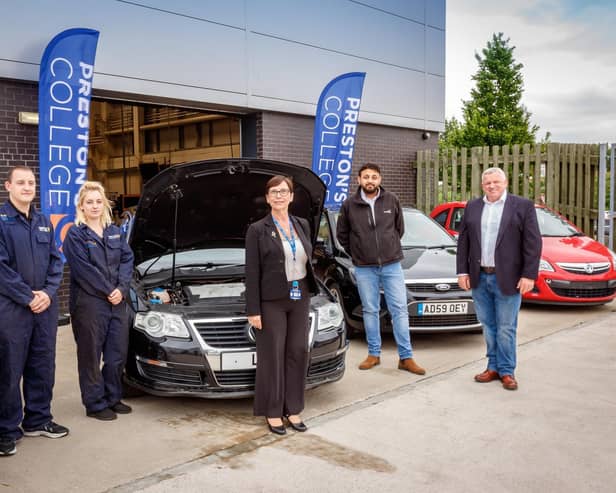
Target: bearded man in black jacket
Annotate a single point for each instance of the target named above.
(370, 226)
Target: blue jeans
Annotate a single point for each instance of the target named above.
(498, 313)
(390, 277)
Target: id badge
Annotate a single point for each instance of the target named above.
(295, 293)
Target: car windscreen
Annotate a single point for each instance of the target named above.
(420, 231)
(551, 224)
(199, 257)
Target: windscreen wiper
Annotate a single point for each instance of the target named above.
(209, 265)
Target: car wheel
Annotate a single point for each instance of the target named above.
(335, 290)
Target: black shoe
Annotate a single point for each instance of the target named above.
(49, 430)
(297, 426)
(121, 408)
(278, 430)
(104, 414)
(7, 446)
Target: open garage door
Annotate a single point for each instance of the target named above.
(130, 143)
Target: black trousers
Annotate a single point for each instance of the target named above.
(282, 356)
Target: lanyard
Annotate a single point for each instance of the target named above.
(290, 240)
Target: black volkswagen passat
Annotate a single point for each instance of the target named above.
(190, 334)
(435, 301)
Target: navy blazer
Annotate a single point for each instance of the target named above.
(518, 244)
(266, 279)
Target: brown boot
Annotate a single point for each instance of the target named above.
(408, 364)
(370, 362)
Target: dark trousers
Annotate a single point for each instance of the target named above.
(28, 350)
(282, 356)
(100, 329)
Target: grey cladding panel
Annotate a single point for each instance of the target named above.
(343, 26)
(207, 51)
(435, 13)
(387, 90)
(229, 12)
(435, 98)
(435, 49)
(410, 9)
(161, 47)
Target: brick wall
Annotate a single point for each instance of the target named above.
(286, 137)
(19, 143)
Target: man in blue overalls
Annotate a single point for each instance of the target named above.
(30, 273)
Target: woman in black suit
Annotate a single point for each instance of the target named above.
(279, 283)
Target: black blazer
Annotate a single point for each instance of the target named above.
(518, 243)
(266, 278)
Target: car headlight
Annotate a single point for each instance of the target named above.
(613, 258)
(545, 265)
(159, 324)
(329, 315)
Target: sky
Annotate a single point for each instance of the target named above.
(568, 49)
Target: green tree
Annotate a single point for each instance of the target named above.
(453, 134)
(494, 115)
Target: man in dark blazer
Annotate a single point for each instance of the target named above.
(499, 250)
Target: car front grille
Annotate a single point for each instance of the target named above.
(587, 268)
(246, 378)
(578, 290)
(171, 375)
(322, 368)
(235, 378)
(224, 333)
(431, 287)
(439, 321)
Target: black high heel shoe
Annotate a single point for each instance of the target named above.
(278, 430)
(297, 426)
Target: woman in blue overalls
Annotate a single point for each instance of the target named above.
(101, 264)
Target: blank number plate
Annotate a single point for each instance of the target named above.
(239, 361)
(448, 308)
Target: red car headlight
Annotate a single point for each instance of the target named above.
(544, 265)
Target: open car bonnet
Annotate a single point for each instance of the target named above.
(216, 202)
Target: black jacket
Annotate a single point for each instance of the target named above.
(266, 279)
(371, 244)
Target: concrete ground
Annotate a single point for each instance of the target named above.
(446, 433)
(383, 429)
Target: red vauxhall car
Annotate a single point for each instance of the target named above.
(574, 269)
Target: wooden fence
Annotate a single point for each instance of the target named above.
(564, 177)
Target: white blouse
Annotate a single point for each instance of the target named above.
(295, 269)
